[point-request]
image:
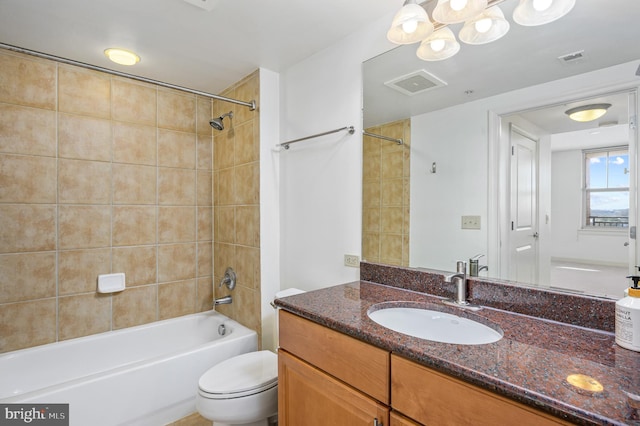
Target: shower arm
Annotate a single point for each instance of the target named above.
(250, 104)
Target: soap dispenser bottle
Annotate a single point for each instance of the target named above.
(628, 318)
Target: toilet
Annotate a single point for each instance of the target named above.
(242, 390)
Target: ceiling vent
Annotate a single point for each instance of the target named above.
(573, 57)
(416, 82)
(207, 5)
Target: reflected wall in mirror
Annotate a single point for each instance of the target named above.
(494, 94)
(385, 193)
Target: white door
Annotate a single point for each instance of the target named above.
(524, 208)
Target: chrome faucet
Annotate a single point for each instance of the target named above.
(474, 266)
(460, 279)
(222, 301)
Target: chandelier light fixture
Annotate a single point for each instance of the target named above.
(484, 22)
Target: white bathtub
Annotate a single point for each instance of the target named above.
(145, 375)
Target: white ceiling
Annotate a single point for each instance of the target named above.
(607, 31)
(182, 44)
(187, 46)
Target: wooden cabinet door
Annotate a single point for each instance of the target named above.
(308, 396)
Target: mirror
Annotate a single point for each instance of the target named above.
(448, 197)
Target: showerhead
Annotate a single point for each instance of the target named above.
(217, 124)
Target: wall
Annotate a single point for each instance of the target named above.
(99, 174)
(385, 194)
(321, 179)
(236, 213)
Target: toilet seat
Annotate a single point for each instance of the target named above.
(240, 376)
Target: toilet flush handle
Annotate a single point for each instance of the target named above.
(229, 279)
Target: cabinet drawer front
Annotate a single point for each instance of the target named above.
(359, 364)
(308, 396)
(433, 398)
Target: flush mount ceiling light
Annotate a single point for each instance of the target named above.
(586, 113)
(540, 12)
(440, 45)
(122, 56)
(410, 25)
(484, 22)
(489, 26)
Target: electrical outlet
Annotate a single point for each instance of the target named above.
(352, 260)
(470, 222)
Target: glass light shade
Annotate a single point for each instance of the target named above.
(587, 112)
(489, 26)
(122, 57)
(438, 46)
(410, 25)
(539, 12)
(454, 11)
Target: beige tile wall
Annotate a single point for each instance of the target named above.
(103, 174)
(385, 195)
(236, 202)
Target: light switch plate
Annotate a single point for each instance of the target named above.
(470, 222)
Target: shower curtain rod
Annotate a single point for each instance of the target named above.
(350, 129)
(251, 104)
(387, 138)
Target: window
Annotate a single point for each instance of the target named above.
(606, 189)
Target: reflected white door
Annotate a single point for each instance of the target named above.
(524, 208)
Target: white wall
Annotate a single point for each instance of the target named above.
(568, 241)
(269, 202)
(321, 179)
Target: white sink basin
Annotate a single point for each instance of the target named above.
(435, 326)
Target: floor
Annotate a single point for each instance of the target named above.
(194, 419)
(601, 280)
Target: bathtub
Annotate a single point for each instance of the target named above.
(144, 375)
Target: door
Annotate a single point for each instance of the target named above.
(308, 396)
(524, 208)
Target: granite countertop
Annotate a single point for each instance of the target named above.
(530, 364)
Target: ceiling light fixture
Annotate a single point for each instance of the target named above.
(410, 25)
(586, 113)
(489, 26)
(440, 45)
(454, 11)
(122, 56)
(540, 12)
(484, 23)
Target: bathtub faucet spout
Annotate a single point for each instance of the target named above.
(222, 301)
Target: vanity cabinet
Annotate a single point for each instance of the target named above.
(328, 378)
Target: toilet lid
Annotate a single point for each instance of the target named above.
(253, 371)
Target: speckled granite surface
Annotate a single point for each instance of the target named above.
(585, 311)
(529, 364)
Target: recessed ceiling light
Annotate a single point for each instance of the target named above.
(587, 112)
(122, 56)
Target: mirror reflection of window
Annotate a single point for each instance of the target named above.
(606, 192)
